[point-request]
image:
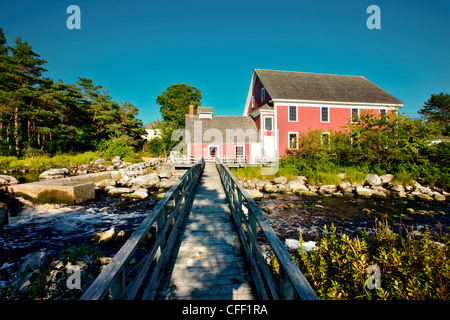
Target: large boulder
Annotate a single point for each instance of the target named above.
(165, 174)
(398, 191)
(345, 185)
(328, 189)
(107, 236)
(386, 178)
(270, 188)
(255, 194)
(135, 170)
(280, 180)
(439, 197)
(302, 179)
(149, 180)
(99, 161)
(138, 194)
(7, 180)
(296, 185)
(30, 266)
(54, 174)
(166, 183)
(116, 160)
(372, 180)
(363, 192)
(105, 183)
(260, 185)
(166, 169)
(119, 191)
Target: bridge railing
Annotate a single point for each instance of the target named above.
(121, 280)
(291, 283)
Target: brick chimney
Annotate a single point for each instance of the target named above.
(191, 110)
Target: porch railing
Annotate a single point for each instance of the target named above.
(179, 159)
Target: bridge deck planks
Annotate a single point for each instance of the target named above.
(207, 261)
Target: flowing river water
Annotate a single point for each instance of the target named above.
(290, 214)
(53, 228)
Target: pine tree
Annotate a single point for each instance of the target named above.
(437, 108)
(25, 74)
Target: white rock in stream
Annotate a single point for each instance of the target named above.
(294, 244)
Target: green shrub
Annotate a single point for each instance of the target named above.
(411, 267)
(117, 147)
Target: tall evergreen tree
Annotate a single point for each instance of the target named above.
(437, 108)
(25, 75)
(40, 115)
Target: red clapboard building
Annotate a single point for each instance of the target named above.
(279, 105)
(283, 103)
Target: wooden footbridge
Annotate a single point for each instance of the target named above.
(205, 247)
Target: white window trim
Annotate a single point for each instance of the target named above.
(264, 123)
(263, 94)
(289, 139)
(296, 113)
(253, 104)
(328, 113)
(351, 115)
(385, 112)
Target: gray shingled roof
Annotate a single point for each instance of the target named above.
(152, 125)
(322, 87)
(204, 110)
(222, 123)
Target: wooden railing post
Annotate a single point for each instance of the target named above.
(117, 289)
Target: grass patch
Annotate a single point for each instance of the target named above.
(403, 178)
(255, 172)
(325, 175)
(39, 162)
(324, 178)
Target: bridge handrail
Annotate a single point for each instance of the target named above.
(113, 278)
(292, 283)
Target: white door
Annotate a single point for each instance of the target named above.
(269, 146)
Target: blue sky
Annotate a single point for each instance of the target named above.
(139, 48)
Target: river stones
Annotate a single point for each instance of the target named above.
(141, 194)
(106, 183)
(7, 180)
(363, 192)
(149, 180)
(119, 191)
(280, 180)
(54, 174)
(372, 180)
(327, 190)
(254, 194)
(296, 185)
(270, 188)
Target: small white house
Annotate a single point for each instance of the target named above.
(152, 130)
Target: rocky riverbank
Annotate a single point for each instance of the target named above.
(374, 186)
(134, 182)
